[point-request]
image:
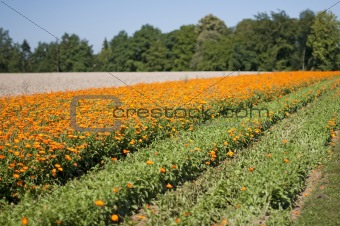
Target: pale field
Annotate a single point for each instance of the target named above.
(12, 84)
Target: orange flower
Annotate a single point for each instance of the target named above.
(224, 222)
(169, 186)
(99, 203)
(243, 188)
(286, 160)
(114, 217)
(129, 185)
(125, 151)
(114, 159)
(173, 166)
(230, 153)
(67, 157)
(162, 170)
(115, 190)
(2, 156)
(178, 220)
(149, 162)
(251, 169)
(207, 163)
(17, 176)
(24, 221)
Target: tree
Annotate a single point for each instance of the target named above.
(210, 29)
(325, 41)
(181, 45)
(243, 52)
(75, 54)
(121, 53)
(304, 29)
(103, 58)
(156, 57)
(6, 49)
(46, 57)
(140, 44)
(26, 55)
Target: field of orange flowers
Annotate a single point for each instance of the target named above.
(38, 146)
(39, 149)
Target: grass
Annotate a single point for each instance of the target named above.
(233, 193)
(322, 206)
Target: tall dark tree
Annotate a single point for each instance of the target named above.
(121, 53)
(26, 55)
(305, 22)
(325, 42)
(141, 42)
(243, 52)
(181, 46)
(75, 54)
(210, 31)
(6, 50)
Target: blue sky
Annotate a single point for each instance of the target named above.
(95, 20)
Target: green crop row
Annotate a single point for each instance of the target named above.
(260, 185)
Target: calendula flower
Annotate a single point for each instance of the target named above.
(67, 157)
(169, 186)
(243, 188)
(149, 162)
(230, 153)
(115, 217)
(162, 170)
(286, 160)
(129, 185)
(99, 203)
(178, 220)
(24, 221)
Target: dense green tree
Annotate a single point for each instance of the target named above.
(6, 50)
(157, 57)
(140, 44)
(121, 53)
(305, 22)
(181, 46)
(75, 54)
(46, 57)
(210, 30)
(243, 52)
(325, 41)
(26, 55)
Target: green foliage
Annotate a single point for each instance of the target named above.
(269, 42)
(325, 41)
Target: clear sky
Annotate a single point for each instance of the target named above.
(95, 20)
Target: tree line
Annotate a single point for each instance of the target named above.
(268, 42)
